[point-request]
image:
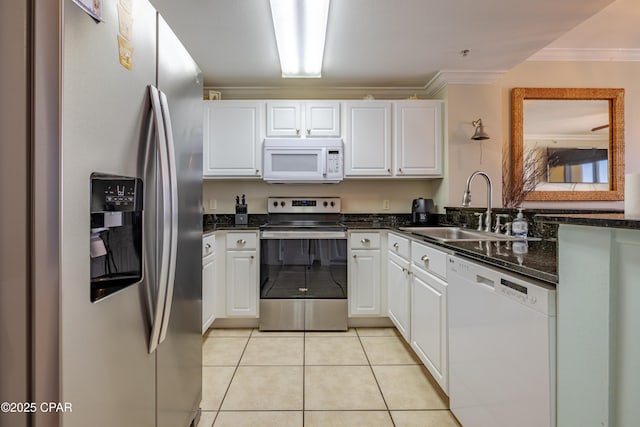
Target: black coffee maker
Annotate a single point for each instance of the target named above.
(420, 210)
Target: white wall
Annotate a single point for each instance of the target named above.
(466, 103)
(358, 196)
(493, 103)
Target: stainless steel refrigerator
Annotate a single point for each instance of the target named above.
(93, 154)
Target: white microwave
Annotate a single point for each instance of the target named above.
(310, 160)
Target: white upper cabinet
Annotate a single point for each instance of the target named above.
(303, 119)
(367, 138)
(418, 138)
(233, 134)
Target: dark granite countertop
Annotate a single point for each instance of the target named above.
(228, 227)
(614, 220)
(536, 258)
(533, 258)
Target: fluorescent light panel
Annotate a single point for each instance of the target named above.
(300, 27)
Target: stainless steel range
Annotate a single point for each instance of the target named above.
(303, 267)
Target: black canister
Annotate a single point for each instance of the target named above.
(420, 210)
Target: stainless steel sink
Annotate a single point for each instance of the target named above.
(457, 234)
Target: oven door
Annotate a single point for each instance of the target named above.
(303, 281)
(303, 265)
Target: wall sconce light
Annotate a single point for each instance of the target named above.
(479, 134)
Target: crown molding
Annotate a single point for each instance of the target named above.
(315, 92)
(447, 77)
(567, 54)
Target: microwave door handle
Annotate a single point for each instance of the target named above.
(163, 221)
(324, 163)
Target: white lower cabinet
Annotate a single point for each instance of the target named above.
(429, 333)
(399, 293)
(242, 278)
(241, 275)
(208, 281)
(365, 285)
(399, 283)
(429, 324)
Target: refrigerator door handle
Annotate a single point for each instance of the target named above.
(173, 184)
(164, 221)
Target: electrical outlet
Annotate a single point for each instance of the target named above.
(385, 204)
(213, 204)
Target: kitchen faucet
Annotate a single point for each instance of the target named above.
(466, 198)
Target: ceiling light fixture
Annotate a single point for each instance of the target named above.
(300, 27)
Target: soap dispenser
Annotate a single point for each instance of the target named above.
(520, 227)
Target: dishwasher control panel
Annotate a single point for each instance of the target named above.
(532, 293)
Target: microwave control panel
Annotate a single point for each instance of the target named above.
(334, 162)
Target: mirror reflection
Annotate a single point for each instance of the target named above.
(567, 143)
(571, 138)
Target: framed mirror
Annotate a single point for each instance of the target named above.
(567, 144)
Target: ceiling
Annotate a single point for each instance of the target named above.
(391, 43)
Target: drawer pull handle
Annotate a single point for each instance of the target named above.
(241, 241)
(251, 257)
(355, 256)
(365, 241)
(396, 245)
(425, 258)
(207, 246)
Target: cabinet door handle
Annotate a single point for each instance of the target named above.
(308, 131)
(396, 245)
(252, 257)
(388, 170)
(257, 171)
(424, 258)
(297, 131)
(241, 241)
(355, 256)
(365, 241)
(207, 246)
(400, 170)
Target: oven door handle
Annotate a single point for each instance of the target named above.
(303, 235)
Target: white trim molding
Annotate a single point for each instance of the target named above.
(446, 77)
(316, 92)
(572, 54)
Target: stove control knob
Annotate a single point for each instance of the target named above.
(333, 204)
(325, 204)
(275, 204)
(282, 204)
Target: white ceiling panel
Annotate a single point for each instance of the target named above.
(378, 43)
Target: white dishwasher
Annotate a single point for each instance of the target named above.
(502, 347)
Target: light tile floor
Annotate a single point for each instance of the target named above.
(363, 377)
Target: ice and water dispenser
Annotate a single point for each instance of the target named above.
(116, 233)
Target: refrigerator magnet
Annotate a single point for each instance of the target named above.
(125, 23)
(92, 7)
(126, 4)
(126, 53)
